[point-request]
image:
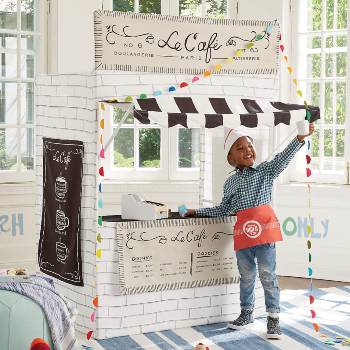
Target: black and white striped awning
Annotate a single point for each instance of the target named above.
(211, 112)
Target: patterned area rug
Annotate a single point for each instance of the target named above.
(332, 306)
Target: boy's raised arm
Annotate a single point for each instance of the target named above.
(282, 159)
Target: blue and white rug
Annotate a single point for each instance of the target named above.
(332, 306)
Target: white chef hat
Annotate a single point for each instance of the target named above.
(231, 136)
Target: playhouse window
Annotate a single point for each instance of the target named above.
(19, 37)
(321, 36)
(136, 146)
(188, 148)
(149, 152)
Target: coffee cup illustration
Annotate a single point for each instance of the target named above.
(60, 187)
(62, 221)
(61, 251)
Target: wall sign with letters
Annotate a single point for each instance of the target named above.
(170, 44)
(171, 254)
(12, 224)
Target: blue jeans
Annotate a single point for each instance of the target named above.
(265, 256)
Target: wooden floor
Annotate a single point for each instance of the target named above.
(304, 283)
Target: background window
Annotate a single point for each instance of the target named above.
(322, 47)
(204, 8)
(142, 6)
(19, 38)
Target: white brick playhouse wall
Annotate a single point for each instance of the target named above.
(66, 108)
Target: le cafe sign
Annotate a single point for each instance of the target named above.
(156, 43)
(191, 43)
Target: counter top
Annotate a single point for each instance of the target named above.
(118, 218)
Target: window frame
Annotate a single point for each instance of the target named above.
(40, 65)
(176, 173)
(168, 170)
(297, 174)
(135, 174)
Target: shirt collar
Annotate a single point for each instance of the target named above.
(237, 170)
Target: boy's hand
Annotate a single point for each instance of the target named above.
(311, 131)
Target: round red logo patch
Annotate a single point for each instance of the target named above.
(252, 229)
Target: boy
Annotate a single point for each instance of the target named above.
(247, 194)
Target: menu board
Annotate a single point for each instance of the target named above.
(59, 251)
(178, 253)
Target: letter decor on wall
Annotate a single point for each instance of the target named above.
(170, 254)
(59, 246)
(168, 44)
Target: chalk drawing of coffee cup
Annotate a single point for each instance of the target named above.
(60, 187)
(61, 251)
(62, 222)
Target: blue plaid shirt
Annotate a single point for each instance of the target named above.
(252, 186)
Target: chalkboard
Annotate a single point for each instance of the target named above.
(59, 252)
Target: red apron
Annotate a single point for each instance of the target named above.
(255, 226)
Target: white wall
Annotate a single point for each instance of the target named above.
(71, 36)
(330, 208)
(66, 108)
(257, 9)
(17, 226)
